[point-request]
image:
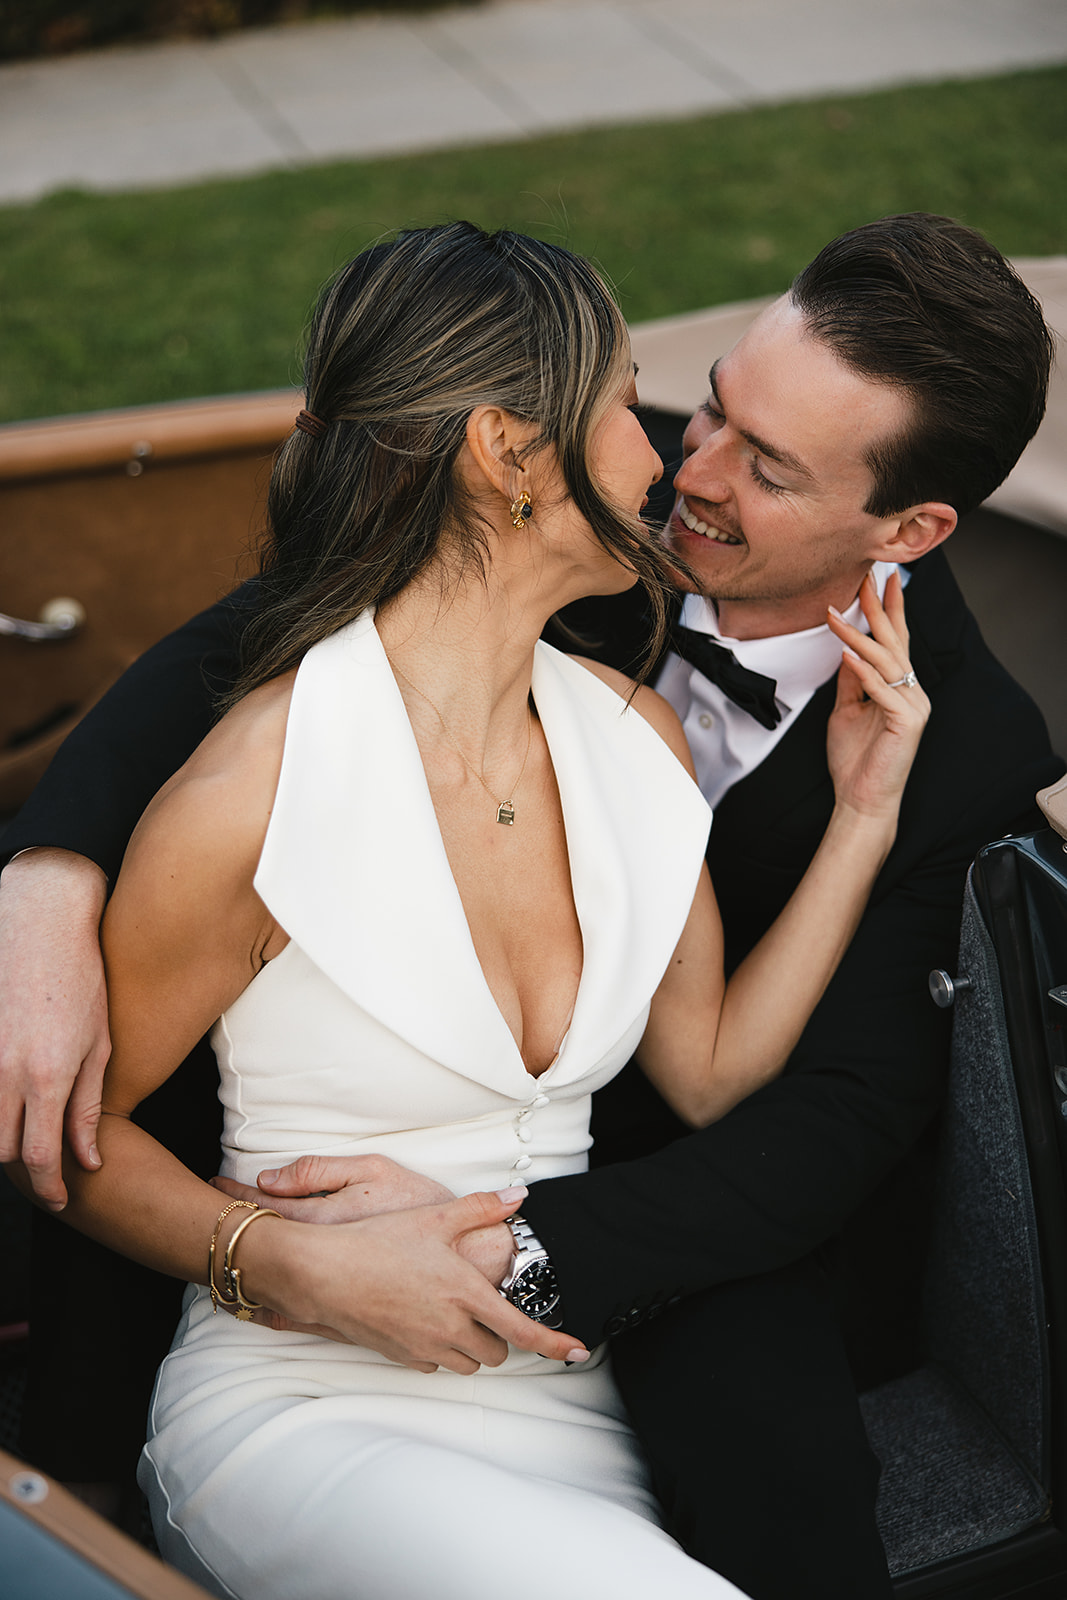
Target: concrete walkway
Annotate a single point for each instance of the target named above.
(505, 69)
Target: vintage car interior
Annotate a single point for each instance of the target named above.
(120, 525)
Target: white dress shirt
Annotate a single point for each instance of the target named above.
(726, 742)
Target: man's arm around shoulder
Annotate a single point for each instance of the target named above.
(65, 844)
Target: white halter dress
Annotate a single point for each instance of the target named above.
(288, 1467)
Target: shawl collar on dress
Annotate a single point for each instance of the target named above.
(354, 868)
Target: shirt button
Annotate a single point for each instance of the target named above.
(525, 1135)
(523, 1115)
(542, 1100)
(706, 719)
(522, 1163)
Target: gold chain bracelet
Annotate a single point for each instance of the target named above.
(216, 1297)
(231, 1275)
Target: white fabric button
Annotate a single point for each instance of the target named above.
(542, 1100)
(522, 1163)
(525, 1135)
(528, 1112)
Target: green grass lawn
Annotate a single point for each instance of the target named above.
(112, 300)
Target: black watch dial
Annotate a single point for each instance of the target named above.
(535, 1291)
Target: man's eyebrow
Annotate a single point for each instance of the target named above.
(784, 458)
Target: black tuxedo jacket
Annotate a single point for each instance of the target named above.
(786, 1168)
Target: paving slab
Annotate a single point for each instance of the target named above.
(776, 51)
(367, 90)
(124, 119)
(576, 63)
(507, 69)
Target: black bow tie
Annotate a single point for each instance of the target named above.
(751, 691)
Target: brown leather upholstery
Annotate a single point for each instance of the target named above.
(144, 516)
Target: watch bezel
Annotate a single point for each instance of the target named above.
(534, 1290)
(530, 1284)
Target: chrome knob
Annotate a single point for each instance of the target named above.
(28, 1488)
(943, 989)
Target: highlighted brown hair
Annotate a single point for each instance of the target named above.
(405, 342)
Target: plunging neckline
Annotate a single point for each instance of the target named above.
(460, 906)
(354, 868)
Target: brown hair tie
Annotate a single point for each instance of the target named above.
(307, 423)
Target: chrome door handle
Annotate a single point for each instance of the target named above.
(58, 620)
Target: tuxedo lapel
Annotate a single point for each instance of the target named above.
(794, 781)
(938, 620)
(768, 826)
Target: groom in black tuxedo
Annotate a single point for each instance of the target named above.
(892, 389)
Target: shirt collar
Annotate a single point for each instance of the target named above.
(798, 662)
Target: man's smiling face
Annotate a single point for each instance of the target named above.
(771, 492)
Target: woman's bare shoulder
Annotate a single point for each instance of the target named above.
(648, 703)
(211, 817)
(185, 932)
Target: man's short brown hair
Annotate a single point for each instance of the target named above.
(929, 306)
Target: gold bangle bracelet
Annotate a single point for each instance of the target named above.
(216, 1298)
(231, 1275)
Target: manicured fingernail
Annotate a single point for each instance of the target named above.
(94, 1156)
(574, 1356)
(269, 1177)
(835, 613)
(518, 1192)
(56, 1206)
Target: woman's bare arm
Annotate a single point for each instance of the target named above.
(183, 936)
(708, 1044)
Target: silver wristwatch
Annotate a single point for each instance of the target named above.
(530, 1283)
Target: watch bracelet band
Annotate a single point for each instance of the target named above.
(528, 1248)
(525, 1238)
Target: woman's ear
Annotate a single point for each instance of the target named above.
(497, 442)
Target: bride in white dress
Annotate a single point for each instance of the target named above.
(434, 883)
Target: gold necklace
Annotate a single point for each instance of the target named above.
(505, 809)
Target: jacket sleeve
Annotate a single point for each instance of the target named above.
(787, 1167)
(133, 740)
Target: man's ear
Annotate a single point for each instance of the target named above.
(920, 529)
(496, 441)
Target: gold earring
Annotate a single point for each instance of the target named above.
(521, 510)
